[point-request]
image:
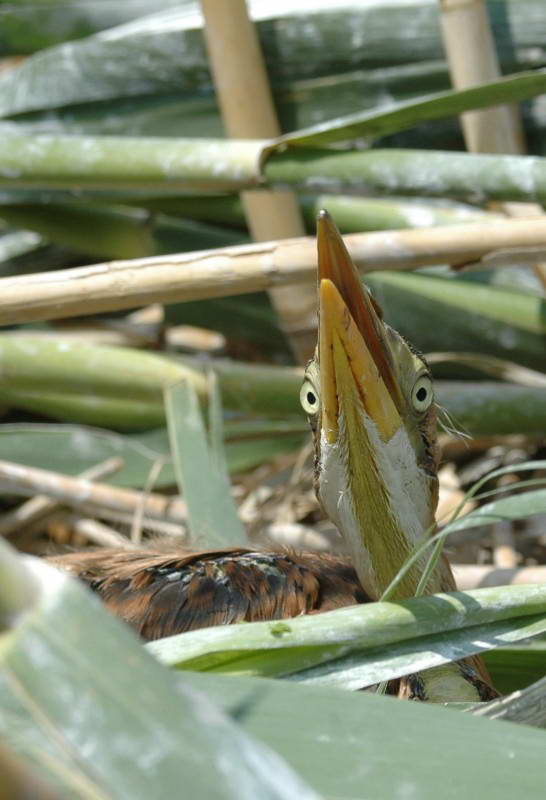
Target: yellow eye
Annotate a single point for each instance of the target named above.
(309, 397)
(421, 394)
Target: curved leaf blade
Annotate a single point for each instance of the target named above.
(401, 116)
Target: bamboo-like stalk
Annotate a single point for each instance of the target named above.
(87, 408)
(248, 268)
(103, 233)
(104, 377)
(472, 60)
(95, 532)
(247, 109)
(39, 506)
(75, 491)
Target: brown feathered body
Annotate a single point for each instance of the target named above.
(164, 593)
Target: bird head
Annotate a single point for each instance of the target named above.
(369, 398)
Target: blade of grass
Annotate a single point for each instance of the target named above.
(383, 664)
(290, 646)
(212, 514)
(357, 745)
(400, 116)
(322, 733)
(87, 725)
(438, 539)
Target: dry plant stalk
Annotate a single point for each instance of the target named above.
(247, 268)
(95, 532)
(18, 519)
(472, 58)
(470, 48)
(76, 492)
(245, 99)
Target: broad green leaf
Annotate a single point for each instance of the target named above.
(131, 730)
(291, 646)
(71, 449)
(399, 172)
(360, 746)
(298, 103)
(164, 52)
(381, 664)
(168, 165)
(101, 163)
(404, 115)
(200, 472)
(352, 214)
(335, 740)
(29, 25)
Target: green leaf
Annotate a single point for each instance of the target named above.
(199, 469)
(517, 506)
(381, 636)
(513, 668)
(404, 115)
(131, 730)
(89, 729)
(115, 232)
(29, 25)
(467, 176)
(488, 408)
(71, 449)
(132, 380)
(101, 163)
(352, 214)
(380, 665)
(360, 746)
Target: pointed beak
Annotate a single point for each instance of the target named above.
(354, 354)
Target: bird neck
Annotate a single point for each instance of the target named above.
(382, 502)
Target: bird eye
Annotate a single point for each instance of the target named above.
(309, 398)
(421, 394)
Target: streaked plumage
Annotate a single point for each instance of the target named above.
(163, 593)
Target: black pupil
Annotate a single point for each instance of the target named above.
(311, 399)
(421, 394)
